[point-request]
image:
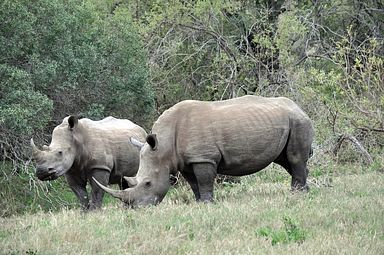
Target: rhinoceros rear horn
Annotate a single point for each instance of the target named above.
(137, 143)
(115, 193)
(132, 181)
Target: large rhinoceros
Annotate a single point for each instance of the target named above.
(237, 137)
(81, 149)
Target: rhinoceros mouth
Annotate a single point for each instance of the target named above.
(47, 175)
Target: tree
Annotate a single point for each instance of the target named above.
(67, 58)
(326, 55)
(333, 55)
(210, 49)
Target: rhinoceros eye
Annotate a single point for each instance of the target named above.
(60, 153)
(148, 184)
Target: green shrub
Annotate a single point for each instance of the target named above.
(290, 233)
(61, 58)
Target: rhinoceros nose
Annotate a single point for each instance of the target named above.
(43, 172)
(40, 170)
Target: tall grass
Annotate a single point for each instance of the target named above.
(259, 215)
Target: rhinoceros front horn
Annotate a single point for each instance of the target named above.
(35, 150)
(115, 193)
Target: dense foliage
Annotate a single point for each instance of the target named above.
(61, 58)
(325, 55)
(134, 59)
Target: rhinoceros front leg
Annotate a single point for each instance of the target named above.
(205, 175)
(191, 179)
(78, 186)
(97, 193)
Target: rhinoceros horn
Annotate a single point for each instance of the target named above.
(137, 143)
(132, 181)
(35, 150)
(115, 193)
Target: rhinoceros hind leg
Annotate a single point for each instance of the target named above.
(299, 177)
(294, 157)
(297, 153)
(298, 172)
(97, 193)
(205, 175)
(191, 179)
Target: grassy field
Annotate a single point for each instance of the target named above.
(259, 215)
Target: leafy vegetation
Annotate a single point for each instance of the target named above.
(290, 233)
(61, 58)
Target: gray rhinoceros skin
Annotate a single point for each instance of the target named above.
(82, 149)
(238, 137)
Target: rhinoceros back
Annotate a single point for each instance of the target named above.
(110, 123)
(108, 142)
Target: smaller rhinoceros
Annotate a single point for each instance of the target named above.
(82, 149)
(236, 137)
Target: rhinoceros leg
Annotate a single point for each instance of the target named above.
(78, 186)
(97, 193)
(191, 179)
(297, 153)
(205, 175)
(299, 177)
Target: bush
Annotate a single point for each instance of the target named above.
(290, 233)
(68, 58)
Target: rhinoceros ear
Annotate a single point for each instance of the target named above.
(152, 141)
(72, 121)
(131, 181)
(137, 143)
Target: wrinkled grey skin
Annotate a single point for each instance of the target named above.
(82, 149)
(233, 137)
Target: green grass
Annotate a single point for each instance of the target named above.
(256, 216)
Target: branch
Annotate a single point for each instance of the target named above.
(365, 128)
(357, 145)
(370, 129)
(220, 40)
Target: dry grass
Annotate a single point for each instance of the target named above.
(346, 218)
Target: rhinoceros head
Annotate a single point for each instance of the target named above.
(57, 158)
(151, 183)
